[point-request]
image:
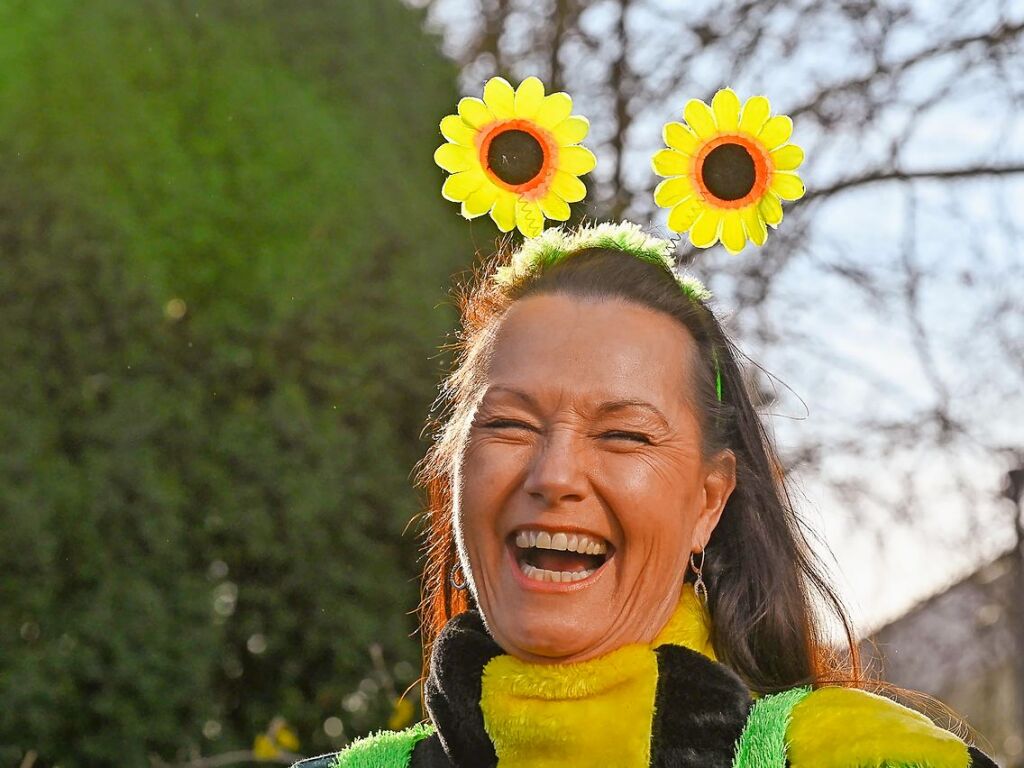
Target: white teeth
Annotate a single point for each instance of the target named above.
(571, 542)
(541, 574)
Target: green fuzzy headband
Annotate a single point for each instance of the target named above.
(555, 244)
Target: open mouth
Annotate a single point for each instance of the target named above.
(559, 557)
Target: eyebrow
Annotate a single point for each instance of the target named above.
(609, 406)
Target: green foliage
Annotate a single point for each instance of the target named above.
(223, 259)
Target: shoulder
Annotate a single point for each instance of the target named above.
(835, 727)
(383, 749)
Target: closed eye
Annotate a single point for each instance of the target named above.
(636, 436)
(617, 435)
(500, 423)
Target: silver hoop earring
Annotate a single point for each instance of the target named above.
(699, 587)
(451, 579)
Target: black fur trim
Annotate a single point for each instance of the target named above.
(701, 707)
(453, 690)
(429, 753)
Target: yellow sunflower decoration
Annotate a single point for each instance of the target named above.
(515, 154)
(727, 169)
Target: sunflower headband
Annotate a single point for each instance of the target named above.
(516, 154)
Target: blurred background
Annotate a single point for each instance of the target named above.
(224, 275)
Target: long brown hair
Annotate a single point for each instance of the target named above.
(759, 569)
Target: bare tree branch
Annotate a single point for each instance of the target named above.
(875, 177)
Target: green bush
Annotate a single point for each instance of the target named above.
(223, 263)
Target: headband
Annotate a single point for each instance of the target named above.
(516, 154)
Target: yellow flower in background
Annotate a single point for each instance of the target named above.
(727, 169)
(515, 154)
(286, 738)
(402, 713)
(264, 749)
(279, 741)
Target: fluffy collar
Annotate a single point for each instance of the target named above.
(667, 704)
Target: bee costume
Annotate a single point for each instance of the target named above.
(516, 155)
(670, 705)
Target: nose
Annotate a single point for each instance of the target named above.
(557, 473)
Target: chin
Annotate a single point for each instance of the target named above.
(546, 638)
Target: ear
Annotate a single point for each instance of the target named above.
(719, 483)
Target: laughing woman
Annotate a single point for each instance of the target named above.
(616, 576)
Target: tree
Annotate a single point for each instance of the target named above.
(223, 266)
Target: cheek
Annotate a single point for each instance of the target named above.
(490, 467)
(655, 501)
(487, 473)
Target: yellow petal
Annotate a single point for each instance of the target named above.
(755, 113)
(668, 162)
(681, 217)
(480, 202)
(529, 218)
(726, 106)
(753, 224)
(732, 232)
(700, 118)
(454, 157)
(770, 209)
(554, 207)
(671, 191)
(568, 187)
(787, 158)
(776, 131)
(704, 232)
(680, 138)
(572, 130)
(500, 98)
(474, 112)
(504, 211)
(554, 109)
(459, 186)
(576, 160)
(454, 129)
(787, 186)
(529, 96)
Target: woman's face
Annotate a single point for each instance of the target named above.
(584, 429)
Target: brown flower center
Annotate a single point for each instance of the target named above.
(728, 172)
(515, 156)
